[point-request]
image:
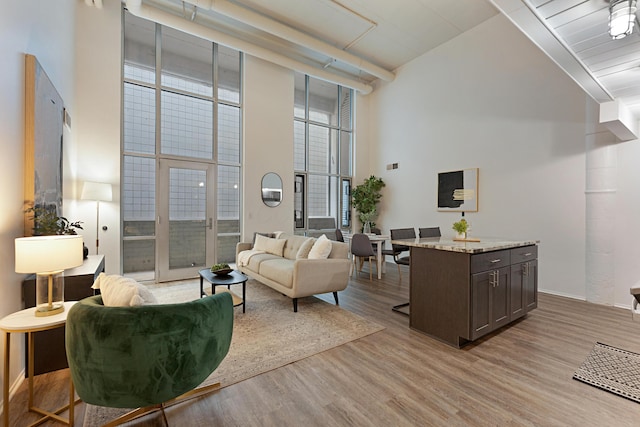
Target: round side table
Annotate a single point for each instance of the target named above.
(25, 321)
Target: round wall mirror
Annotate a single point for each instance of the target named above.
(271, 189)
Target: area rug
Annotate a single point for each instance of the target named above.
(612, 369)
(268, 336)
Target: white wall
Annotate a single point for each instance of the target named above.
(268, 144)
(627, 249)
(488, 99)
(46, 30)
(96, 125)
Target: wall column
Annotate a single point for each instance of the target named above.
(600, 197)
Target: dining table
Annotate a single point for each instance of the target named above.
(377, 240)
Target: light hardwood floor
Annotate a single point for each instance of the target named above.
(520, 376)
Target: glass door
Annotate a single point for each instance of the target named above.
(185, 223)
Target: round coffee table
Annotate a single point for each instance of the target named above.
(233, 278)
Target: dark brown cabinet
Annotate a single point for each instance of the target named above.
(50, 354)
(459, 297)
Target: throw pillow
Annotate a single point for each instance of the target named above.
(119, 291)
(305, 248)
(321, 248)
(269, 245)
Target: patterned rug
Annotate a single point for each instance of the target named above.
(612, 369)
(268, 336)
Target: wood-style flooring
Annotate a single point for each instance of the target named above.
(520, 376)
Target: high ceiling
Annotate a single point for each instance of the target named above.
(360, 41)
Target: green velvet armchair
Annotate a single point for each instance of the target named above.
(145, 356)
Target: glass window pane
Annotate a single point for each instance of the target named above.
(228, 74)
(187, 62)
(139, 49)
(228, 133)
(139, 119)
(345, 153)
(322, 149)
(226, 249)
(299, 201)
(187, 217)
(187, 126)
(299, 96)
(345, 208)
(139, 256)
(228, 199)
(139, 196)
(318, 197)
(323, 102)
(345, 108)
(299, 151)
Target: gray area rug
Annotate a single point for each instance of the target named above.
(268, 336)
(612, 369)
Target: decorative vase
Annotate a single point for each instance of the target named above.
(367, 228)
(85, 251)
(461, 236)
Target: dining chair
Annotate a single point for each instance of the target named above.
(339, 236)
(429, 232)
(362, 248)
(397, 250)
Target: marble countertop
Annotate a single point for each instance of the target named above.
(448, 244)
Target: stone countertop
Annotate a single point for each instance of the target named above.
(448, 244)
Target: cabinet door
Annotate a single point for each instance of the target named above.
(517, 301)
(490, 299)
(499, 302)
(482, 287)
(531, 286)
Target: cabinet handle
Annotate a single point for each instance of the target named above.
(493, 261)
(497, 278)
(527, 254)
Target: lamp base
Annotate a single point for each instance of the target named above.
(46, 311)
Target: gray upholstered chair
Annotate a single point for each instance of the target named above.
(429, 232)
(149, 356)
(361, 248)
(339, 236)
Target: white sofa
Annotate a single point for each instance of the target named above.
(287, 268)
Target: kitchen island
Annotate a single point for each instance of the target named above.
(463, 290)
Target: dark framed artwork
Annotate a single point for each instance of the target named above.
(458, 190)
(44, 121)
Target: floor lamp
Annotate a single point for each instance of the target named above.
(100, 192)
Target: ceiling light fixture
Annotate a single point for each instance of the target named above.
(622, 16)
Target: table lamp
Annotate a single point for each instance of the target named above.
(48, 257)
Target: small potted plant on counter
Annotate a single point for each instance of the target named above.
(461, 228)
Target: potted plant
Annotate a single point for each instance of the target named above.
(461, 228)
(365, 198)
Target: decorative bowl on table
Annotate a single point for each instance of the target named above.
(221, 269)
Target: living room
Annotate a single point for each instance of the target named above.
(488, 98)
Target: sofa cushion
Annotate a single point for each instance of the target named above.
(304, 250)
(269, 245)
(293, 244)
(279, 270)
(321, 248)
(257, 259)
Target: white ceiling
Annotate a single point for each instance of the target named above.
(390, 33)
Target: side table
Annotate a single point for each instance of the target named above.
(25, 321)
(233, 278)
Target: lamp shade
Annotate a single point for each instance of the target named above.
(41, 254)
(99, 191)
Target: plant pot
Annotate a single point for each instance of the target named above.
(461, 236)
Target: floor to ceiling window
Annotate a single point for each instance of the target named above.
(182, 117)
(323, 147)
